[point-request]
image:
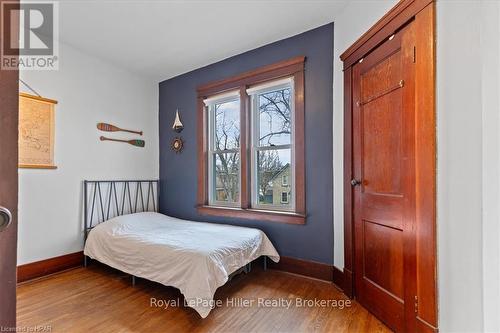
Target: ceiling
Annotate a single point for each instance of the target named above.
(161, 39)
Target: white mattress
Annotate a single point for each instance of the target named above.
(195, 257)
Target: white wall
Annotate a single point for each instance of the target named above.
(490, 53)
(89, 91)
(459, 203)
(468, 71)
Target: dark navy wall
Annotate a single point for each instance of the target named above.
(178, 172)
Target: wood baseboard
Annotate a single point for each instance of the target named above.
(287, 264)
(49, 266)
(348, 283)
(304, 267)
(339, 278)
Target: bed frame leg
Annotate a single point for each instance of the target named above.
(265, 263)
(249, 267)
(85, 263)
(133, 280)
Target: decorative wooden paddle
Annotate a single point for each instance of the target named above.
(112, 128)
(135, 142)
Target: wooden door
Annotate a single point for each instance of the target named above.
(384, 179)
(9, 98)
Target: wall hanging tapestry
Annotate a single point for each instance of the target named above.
(36, 132)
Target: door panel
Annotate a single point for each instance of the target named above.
(383, 247)
(383, 162)
(382, 77)
(8, 191)
(381, 144)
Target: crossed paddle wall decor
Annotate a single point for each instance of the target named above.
(111, 128)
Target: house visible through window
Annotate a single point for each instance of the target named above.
(284, 197)
(251, 145)
(272, 144)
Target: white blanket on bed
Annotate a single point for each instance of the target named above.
(194, 257)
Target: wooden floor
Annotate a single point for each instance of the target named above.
(98, 299)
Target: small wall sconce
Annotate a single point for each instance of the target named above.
(177, 126)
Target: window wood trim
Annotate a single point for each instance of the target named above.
(253, 214)
(266, 73)
(293, 67)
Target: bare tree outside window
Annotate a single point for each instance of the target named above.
(274, 133)
(227, 158)
(275, 118)
(273, 152)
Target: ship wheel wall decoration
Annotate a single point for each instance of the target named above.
(177, 145)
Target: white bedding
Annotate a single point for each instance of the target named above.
(195, 257)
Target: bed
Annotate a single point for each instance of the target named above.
(195, 257)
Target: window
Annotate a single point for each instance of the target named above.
(223, 152)
(272, 144)
(284, 197)
(251, 145)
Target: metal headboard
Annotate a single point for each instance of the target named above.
(109, 198)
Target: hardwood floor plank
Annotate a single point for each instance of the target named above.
(100, 299)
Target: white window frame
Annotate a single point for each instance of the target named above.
(253, 92)
(212, 152)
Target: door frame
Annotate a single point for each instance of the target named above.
(9, 101)
(422, 13)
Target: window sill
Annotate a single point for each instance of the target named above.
(253, 214)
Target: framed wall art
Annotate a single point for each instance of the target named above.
(36, 132)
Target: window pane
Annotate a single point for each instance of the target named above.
(226, 182)
(275, 117)
(227, 125)
(272, 165)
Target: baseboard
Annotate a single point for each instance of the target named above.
(338, 278)
(49, 266)
(298, 266)
(348, 283)
(304, 267)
